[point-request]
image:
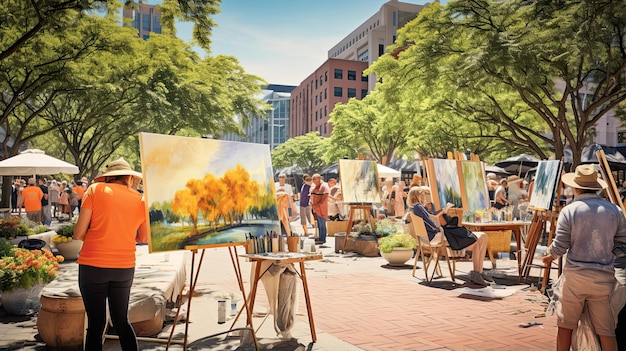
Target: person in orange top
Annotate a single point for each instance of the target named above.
(32, 200)
(80, 191)
(112, 220)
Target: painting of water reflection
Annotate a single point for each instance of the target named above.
(204, 191)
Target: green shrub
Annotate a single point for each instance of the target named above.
(387, 243)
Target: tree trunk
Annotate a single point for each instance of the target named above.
(5, 202)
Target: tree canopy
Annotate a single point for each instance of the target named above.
(307, 151)
(535, 74)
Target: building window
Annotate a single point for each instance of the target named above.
(325, 111)
(316, 84)
(145, 22)
(338, 91)
(364, 79)
(320, 97)
(338, 73)
(316, 115)
(325, 95)
(381, 50)
(351, 75)
(363, 93)
(351, 93)
(324, 128)
(326, 76)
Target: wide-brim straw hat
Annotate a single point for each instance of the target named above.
(118, 167)
(584, 177)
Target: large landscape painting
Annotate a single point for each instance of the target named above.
(359, 181)
(205, 191)
(547, 177)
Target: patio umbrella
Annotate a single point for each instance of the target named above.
(34, 161)
(496, 170)
(519, 164)
(384, 172)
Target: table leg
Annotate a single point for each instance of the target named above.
(255, 282)
(518, 241)
(307, 297)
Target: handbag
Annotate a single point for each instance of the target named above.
(459, 237)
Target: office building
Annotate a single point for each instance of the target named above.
(312, 101)
(370, 40)
(143, 17)
(341, 76)
(273, 130)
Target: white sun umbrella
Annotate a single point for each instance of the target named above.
(386, 172)
(34, 161)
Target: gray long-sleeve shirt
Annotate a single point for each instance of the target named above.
(587, 229)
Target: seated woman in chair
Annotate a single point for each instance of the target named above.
(475, 242)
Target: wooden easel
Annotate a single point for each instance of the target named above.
(232, 250)
(537, 228)
(366, 217)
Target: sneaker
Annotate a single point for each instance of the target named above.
(477, 278)
(488, 278)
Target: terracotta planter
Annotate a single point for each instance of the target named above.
(22, 302)
(398, 256)
(70, 250)
(61, 322)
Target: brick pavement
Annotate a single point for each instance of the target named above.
(361, 303)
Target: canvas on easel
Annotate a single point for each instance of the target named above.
(443, 179)
(359, 181)
(546, 180)
(205, 191)
(473, 186)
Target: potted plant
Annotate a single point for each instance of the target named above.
(23, 274)
(68, 247)
(12, 228)
(388, 226)
(397, 248)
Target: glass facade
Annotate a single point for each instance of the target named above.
(274, 129)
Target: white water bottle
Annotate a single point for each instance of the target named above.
(221, 311)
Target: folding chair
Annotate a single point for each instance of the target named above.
(438, 246)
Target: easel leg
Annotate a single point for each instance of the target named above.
(307, 297)
(237, 267)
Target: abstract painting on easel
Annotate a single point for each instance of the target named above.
(359, 181)
(204, 191)
(443, 176)
(546, 179)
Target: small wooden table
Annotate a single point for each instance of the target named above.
(284, 258)
(515, 226)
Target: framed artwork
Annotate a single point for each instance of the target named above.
(443, 179)
(204, 191)
(474, 186)
(359, 181)
(546, 181)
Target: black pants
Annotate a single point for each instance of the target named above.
(98, 284)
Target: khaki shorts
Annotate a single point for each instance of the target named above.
(305, 215)
(592, 287)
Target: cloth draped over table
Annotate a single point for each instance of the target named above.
(280, 283)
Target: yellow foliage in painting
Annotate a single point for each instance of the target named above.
(186, 204)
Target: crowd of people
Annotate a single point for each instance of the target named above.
(44, 199)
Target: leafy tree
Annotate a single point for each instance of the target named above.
(307, 151)
(378, 124)
(26, 19)
(186, 204)
(544, 72)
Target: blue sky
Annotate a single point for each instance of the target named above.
(283, 41)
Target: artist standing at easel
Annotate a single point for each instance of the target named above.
(112, 219)
(586, 230)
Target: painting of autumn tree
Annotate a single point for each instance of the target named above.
(204, 191)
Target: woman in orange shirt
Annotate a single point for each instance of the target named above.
(112, 220)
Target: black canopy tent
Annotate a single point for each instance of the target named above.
(519, 164)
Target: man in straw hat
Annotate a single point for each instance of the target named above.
(586, 230)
